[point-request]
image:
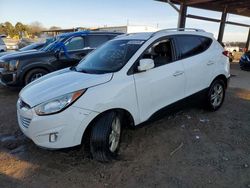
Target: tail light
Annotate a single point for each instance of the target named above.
(225, 53)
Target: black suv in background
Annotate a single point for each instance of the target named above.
(21, 68)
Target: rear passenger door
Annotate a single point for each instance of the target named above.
(197, 61)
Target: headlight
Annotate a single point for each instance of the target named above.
(13, 65)
(58, 104)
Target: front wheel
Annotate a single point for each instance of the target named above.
(216, 95)
(34, 74)
(105, 137)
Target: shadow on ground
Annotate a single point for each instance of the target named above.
(189, 148)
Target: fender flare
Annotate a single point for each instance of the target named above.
(36, 65)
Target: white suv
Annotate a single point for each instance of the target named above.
(125, 81)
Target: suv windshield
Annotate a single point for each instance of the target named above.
(31, 46)
(110, 57)
(52, 44)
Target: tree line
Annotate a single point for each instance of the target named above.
(20, 30)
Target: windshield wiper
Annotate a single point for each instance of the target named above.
(73, 68)
(84, 71)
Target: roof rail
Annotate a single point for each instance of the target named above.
(178, 29)
(124, 35)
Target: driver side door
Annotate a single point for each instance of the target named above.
(74, 52)
(162, 85)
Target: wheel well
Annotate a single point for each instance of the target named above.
(30, 69)
(127, 117)
(223, 78)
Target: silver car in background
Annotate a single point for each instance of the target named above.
(3, 47)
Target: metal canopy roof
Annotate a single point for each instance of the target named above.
(239, 7)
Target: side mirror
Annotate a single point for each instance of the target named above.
(146, 64)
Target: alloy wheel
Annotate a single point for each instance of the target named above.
(114, 137)
(217, 95)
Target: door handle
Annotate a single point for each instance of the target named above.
(178, 73)
(210, 62)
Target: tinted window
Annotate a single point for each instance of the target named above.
(96, 40)
(192, 45)
(206, 42)
(75, 43)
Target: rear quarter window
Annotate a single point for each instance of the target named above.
(206, 42)
(190, 45)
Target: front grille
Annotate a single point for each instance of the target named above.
(25, 122)
(2, 64)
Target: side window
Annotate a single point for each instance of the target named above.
(192, 45)
(160, 52)
(75, 43)
(96, 40)
(206, 42)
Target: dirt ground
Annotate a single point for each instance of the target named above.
(191, 148)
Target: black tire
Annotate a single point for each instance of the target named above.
(212, 95)
(100, 137)
(34, 74)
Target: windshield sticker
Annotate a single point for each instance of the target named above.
(137, 42)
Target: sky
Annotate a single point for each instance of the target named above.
(94, 13)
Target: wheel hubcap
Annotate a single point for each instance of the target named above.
(115, 134)
(36, 76)
(217, 95)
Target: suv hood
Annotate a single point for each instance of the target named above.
(23, 55)
(5, 53)
(59, 83)
(19, 52)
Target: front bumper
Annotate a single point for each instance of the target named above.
(245, 65)
(12, 47)
(8, 78)
(68, 126)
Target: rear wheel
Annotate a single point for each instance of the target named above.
(34, 74)
(105, 137)
(216, 95)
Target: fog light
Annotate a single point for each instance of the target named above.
(53, 137)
